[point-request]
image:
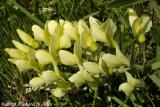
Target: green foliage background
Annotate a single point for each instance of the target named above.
(24, 13)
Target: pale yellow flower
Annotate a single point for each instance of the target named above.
(49, 76)
(36, 82)
(140, 25)
(92, 68)
(58, 92)
(80, 78)
(43, 57)
(21, 46)
(132, 83)
(67, 57)
(26, 38)
(16, 53)
(115, 60)
(22, 64)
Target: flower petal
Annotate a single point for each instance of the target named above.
(52, 27)
(132, 16)
(43, 57)
(111, 60)
(21, 46)
(22, 65)
(68, 58)
(78, 79)
(92, 67)
(121, 57)
(70, 30)
(16, 53)
(58, 92)
(65, 42)
(38, 33)
(97, 30)
(126, 88)
(146, 23)
(36, 82)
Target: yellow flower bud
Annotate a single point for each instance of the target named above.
(21, 46)
(38, 33)
(26, 38)
(43, 57)
(68, 58)
(36, 82)
(16, 53)
(58, 92)
(49, 76)
(22, 65)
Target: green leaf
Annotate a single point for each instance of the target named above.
(35, 19)
(120, 102)
(158, 53)
(155, 77)
(8, 95)
(156, 65)
(155, 32)
(134, 101)
(123, 3)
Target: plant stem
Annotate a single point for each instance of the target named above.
(150, 100)
(144, 56)
(95, 97)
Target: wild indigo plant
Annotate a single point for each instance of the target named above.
(60, 36)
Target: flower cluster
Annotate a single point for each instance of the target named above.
(51, 45)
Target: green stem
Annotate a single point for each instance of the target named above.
(153, 105)
(95, 97)
(121, 103)
(144, 56)
(158, 53)
(35, 7)
(92, 14)
(56, 101)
